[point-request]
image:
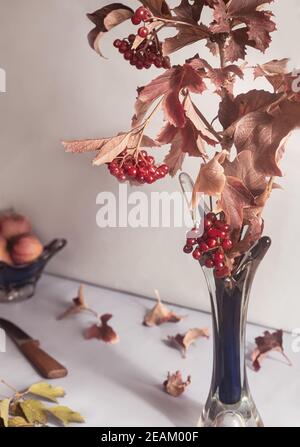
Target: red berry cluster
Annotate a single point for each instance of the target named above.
(137, 167)
(212, 245)
(149, 52)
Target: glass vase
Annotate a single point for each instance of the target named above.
(230, 403)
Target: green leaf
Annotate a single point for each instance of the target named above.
(46, 391)
(65, 415)
(18, 421)
(34, 411)
(4, 411)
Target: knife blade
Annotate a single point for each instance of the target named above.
(46, 365)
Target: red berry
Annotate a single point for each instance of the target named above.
(147, 65)
(132, 171)
(150, 179)
(191, 242)
(209, 263)
(150, 160)
(139, 65)
(117, 43)
(219, 265)
(142, 13)
(122, 177)
(143, 32)
(212, 243)
(213, 233)
(136, 20)
(219, 256)
(165, 169)
(203, 247)
(211, 216)
(158, 62)
(221, 234)
(131, 38)
(197, 254)
(128, 55)
(207, 223)
(227, 244)
(187, 249)
(140, 178)
(166, 63)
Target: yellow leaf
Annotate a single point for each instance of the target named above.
(65, 414)
(18, 421)
(34, 411)
(46, 391)
(4, 411)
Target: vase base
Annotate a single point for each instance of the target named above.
(242, 414)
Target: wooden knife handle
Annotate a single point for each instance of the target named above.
(47, 366)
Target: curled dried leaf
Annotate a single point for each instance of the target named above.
(184, 341)
(79, 305)
(174, 385)
(160, 314)
(265, 344)
(102, 331)
(105, 19)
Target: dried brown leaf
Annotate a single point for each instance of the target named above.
(265, 344)
(105, 19)
(174, 385)
(102, 331)
(184, 341)
(160, 314)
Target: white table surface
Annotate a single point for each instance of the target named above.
(121, 385)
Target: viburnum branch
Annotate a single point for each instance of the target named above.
(207, 123)
(147, 121)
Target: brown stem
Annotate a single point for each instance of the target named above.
(222, 55)
(208, 125)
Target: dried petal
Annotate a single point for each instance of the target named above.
(174, 384)
(265, 344)
(102, 331)
(78, 306)
(184, 341)
(160, 314)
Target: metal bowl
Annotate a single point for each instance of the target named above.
(18, 283)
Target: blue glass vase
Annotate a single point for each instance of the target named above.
(230, 403)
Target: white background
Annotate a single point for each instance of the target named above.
(57, 87)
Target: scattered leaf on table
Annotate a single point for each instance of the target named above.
(265, 344)
(184, 341)
(34, 411)
(102, 331)
(65, 415)
(47, 391)
(4, 411)
(79, 304)
(174, 384)
(18, 421)
(160, 314)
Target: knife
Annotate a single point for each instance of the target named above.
(47, 366)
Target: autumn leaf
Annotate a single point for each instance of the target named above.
(245, 23)
(46, 391)
(168, 87)
(187, 12)
(174, 385)
(34, 411)
(211, 179)
(234, 199)
(105, 19)
(175, 158)
(65, 415)
(78, 305)
(265, 344)
(184, 341)
(4, 411)
(160, 314)
(19, 421)
(187, 35)
(157, 7)
(102, 331)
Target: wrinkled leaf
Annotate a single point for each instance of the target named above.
(47, 391)
(265, 344)
(160, 314)
(18, 421)
(102, 331)
(174, 385)
(4, 411)
(34, 411)
(105, 19)
(79, 304)
(65, 415)
(184, 341)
